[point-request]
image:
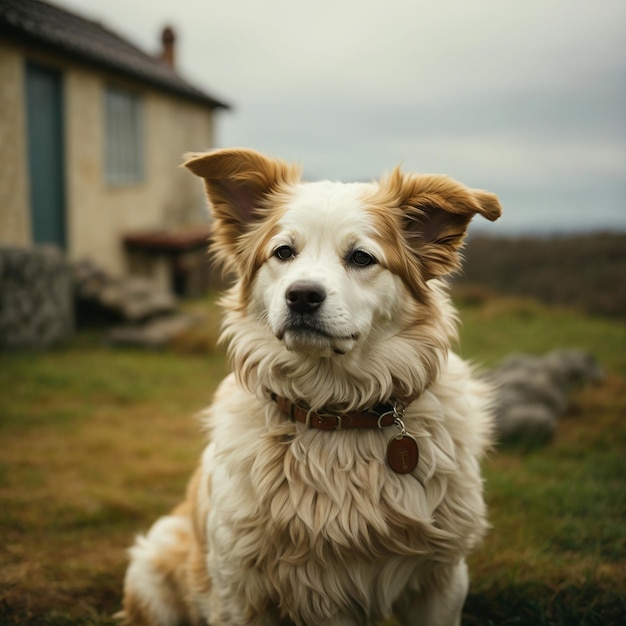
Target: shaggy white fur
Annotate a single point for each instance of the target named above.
(339, 304)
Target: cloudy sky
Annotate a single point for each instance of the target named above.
(525, 99)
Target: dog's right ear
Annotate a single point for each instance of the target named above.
(238, 181)
(238, 184)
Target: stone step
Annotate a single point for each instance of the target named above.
(154, 334)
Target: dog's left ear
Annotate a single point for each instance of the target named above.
(436, 213)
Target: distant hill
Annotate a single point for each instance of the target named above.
(587, 272)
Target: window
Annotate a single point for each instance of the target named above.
(123, 140)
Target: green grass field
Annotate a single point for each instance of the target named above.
(97, 443)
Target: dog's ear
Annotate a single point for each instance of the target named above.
(436, 212)
(237, 182)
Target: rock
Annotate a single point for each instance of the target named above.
(136, 311)
(529, 387)
(104, 300)
(531, 391)
(574, 368)
(36, 303)
(154, 334)
(135, 299)
(528, 422)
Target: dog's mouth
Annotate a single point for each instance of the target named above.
(307, 335)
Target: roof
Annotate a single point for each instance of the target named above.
(51, 28)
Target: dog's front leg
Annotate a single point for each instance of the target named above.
(436, 606)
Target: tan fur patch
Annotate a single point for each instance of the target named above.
(429, 218)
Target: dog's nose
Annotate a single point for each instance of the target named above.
(305, 297)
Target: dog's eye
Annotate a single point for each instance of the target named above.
(361, 258)
(284, 253)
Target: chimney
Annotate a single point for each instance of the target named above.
(168, 39)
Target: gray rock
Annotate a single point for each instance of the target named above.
(529, 387)
(136, 299)
(574, 368)
(532, 391)
(525, 421)
(103, 300)
(154, 334)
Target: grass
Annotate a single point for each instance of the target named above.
(492, 327)
(557, 549)
(97, 443)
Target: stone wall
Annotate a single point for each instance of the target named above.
(36, 300)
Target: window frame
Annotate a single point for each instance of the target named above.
(124, 144)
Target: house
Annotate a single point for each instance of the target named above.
(92, 131)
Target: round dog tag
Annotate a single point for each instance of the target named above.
(402, 453)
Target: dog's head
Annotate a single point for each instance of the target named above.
(331, 269)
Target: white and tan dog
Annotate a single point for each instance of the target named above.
(342, 482)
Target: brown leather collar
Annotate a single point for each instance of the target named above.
(380, 416)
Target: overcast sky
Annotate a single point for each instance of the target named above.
(526, 99)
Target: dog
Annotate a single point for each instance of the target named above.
(341, 483)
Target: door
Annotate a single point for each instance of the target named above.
(44, 106)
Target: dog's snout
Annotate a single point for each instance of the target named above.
(305, 297)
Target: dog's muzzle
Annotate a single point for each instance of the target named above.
(305, 326)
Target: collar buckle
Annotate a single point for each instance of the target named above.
(324, 418)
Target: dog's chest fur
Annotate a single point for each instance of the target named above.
(322, 508)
